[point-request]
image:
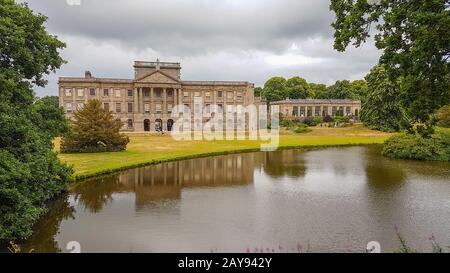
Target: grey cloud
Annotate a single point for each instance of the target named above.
(213, 39)
(191, 26)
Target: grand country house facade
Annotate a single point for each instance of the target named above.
(145, 103)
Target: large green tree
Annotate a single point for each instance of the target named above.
(340, 90)
(275, 89)
(30, 172)
(257, 91)
(382, 110)
(298, 88)
(318, 90)
(49, 116)
(94, 129)
(359, 90)
(415, 39)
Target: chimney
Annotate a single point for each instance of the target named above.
(88, 75)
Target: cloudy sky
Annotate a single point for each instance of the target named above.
(250, 40)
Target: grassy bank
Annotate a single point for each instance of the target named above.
(147, 149)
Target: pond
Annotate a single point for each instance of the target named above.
(320, 200)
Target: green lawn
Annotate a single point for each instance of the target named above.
(146, 149)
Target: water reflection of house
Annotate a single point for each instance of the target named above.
(166, 180)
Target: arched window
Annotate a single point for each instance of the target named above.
(130, 123)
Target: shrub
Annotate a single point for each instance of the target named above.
(302, 128)
(443, 116)
(342, 119)
(414, 146)
(94, 130)
(312, 121)
(317, 120)
(328, 118)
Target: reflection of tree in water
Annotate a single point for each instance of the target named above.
(46, 229)
(282, 163)
(383, 174)
(94, 194)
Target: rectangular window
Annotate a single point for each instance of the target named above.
(170, 93)
(317, 111)
(208, 95)
(80, 92)
(118, 93)
(147, 108)
(309, 113)
(130, 93)
(158, 93)
(230, 95)
(130, 124)
(158, 108)
(186, 109)
(80, 106)
(302, 111)
(295, 111)
(146, 93)
(92, 91)
(197, 94)
(333, 111)
(325, 111)
(186, 94)
(348, 111)
(106, 92)
(68, 92)
(106, 106)
(219, 108)
(208, 108)
(118, 107)
(197, 108)
(69, 107)
(239, 96)
(169, 108)
(130, 107)
(220, 94)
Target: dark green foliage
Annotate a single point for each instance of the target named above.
(258, 91)
(341, 119)
(30, 172)
(414, 146)
(443, 116)
(415, 39)
(275, 89)
(340, 90)
(359, 90)
(302, 128)
(298, 88)
(50, 117)
(94, 129)
(312, 121)
(382, 109)
(318, 91)
(328, 118)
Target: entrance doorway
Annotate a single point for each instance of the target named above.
(169, 125)
(158, 125)
(147, 125)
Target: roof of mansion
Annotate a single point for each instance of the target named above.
(161, 68)
(315, 101)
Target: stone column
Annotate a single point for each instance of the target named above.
(164, 105)
(152, 101)
(136, 102)
(164, 111)
(175, 97)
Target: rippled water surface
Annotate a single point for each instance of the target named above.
(327, 200)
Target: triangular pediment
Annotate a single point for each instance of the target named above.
(157, 77)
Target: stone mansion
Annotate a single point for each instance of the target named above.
(145, 103)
